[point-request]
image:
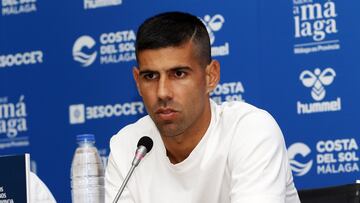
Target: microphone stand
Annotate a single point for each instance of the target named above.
(124, 184)
(144, 146)
(140, 153)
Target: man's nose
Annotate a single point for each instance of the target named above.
(164, 91)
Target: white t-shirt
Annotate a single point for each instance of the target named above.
(241, 159)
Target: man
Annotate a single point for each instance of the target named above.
(203, 152)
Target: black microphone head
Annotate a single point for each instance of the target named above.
(146, 142)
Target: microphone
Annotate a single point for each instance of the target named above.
(144, 146)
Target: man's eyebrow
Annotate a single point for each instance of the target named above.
(180, 68)
(175, 68)
(146, 71)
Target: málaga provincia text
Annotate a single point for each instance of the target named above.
(315, 20)
(313, 23)
(13, 118)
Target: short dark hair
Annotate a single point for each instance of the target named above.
(172, 29)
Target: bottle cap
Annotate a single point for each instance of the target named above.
(85, 138)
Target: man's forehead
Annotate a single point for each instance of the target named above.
(190, 45)
(168, 55)
(165, 68)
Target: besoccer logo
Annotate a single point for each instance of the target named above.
(77, 114)
(298, 168)
(213, 24)
(317, 81)
(78, 54)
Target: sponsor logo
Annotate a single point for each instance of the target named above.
(15, 7)
(13, 123)
(92, 4)
(332, 157)
(214, 24)
(315, 26)
(79, 113)
(81, 57)
(115, 47)
(229, 91)
(317, 81)
(337, 156)
(299, 168)
(21, 59)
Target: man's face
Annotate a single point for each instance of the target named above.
(174, 88)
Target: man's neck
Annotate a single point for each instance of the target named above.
(178, 148)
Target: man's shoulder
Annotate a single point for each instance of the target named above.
(236, 110)
(130, 134)
(237, 105)
(245, 121)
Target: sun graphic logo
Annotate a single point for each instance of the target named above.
(213, 24)
(298, 168)
(84, 59)
(317, 81)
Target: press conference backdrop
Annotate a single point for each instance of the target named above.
(65, 69)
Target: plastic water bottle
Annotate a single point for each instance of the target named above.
(87, 172)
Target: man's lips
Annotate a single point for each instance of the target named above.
(165, 110)
(166, 113)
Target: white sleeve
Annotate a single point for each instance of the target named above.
(113, 181)
(258, 161)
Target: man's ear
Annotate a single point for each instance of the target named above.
(212, 75)
(136, 78)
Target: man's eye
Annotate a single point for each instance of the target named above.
(150, 76)
(179, 74)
